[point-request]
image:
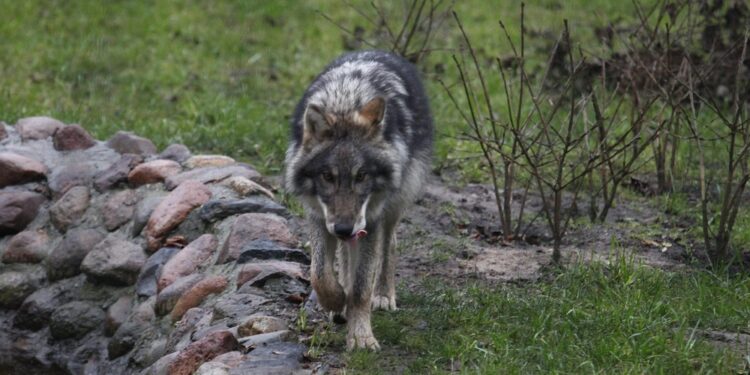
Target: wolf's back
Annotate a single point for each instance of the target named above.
(355, 78)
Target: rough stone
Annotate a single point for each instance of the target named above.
(69, 208)
(261, 339)
(75, 319)
(18, 169)
(88, 357)
(271, 367)
(17, 283)
(265, 249)
(209, 175)
(273, 359)
(219, 209)
(153, 172)
(167, 298)
(117, 173)
(258, 324)
(213, 368)
(197, 293)
(205, 329)
(65, 259)
(146, 285)
(161, 367)
(128, 143)
(119, 209)
(191, 227)
(38, 127)
(138, 325)
(17, 210)
(72, 137)
(202, 351)
(258, 273)
(37, 308)
(143, 212)
(255, 226)
(231, 359)
(115, 261)
(117, 314)
(148, 351)
(64, 178)
(285, 350)
(176, 152)
(237, 306)
(170, 212)
(200, 161)
(3, 131)
(187, 260)
(179, 338)
(126, 336)
(245, 187)
(30, 246)
(280, 286)
(78, 313)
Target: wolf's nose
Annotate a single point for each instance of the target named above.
(343, 230)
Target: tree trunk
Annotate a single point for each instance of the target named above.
(557, 227)
(662, 178)
(720, 252)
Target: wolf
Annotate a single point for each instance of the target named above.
(360, 151)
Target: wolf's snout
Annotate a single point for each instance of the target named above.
(343, 230)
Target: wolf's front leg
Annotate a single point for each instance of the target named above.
(330, 293)
(358, 301)
(384, 297)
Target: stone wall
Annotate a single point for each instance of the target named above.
(118, 259)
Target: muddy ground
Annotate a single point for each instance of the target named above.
(454, 232)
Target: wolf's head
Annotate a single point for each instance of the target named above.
(343, 167)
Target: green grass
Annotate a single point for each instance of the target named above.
(621, 318)
(221, 76)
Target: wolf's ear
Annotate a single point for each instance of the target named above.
(317, 124)
(371, 114)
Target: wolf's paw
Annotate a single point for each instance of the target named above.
(361, 341)
(384, 303)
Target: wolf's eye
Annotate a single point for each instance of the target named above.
(360, 176)
(327, 176)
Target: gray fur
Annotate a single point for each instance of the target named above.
(360, 152)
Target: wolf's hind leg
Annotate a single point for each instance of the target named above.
(384, 296)
(323, 277)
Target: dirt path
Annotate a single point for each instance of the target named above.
(452, 232)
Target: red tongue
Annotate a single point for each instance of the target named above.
(359, 235)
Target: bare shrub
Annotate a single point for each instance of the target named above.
(653, 63)
(730, 127)
(692, 57)
(547, 133)
(408, 28)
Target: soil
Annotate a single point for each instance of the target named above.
(454, 232)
